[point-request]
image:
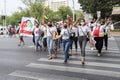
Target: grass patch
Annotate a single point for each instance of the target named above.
(116, 30)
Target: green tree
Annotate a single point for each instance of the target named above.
(92, 6)
(51, 15)
(36, 11)
(0, 20)
(14, 19)
(79, 14)
(64, 11)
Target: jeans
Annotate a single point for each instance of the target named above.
(38, 41)
(66, 44)
(50, 45)
(58, 43)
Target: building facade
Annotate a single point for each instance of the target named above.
(55, 4)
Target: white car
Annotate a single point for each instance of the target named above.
(3, 30)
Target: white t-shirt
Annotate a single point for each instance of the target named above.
(107, 29)
(42, 28)
(83, 30)
(50, 31)
(75, 30)
(36, 31)
(64, 33)
(92, 24)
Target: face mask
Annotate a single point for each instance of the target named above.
(65, 26)
(98, 24)
(82, 23)
(50, 25)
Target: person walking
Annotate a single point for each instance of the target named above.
(83, 31)
(50, 42)
(98, 33)
(106, 33)
(65, 41)
(74, 29)
(45, 36)
(21, 41)
(37, 36)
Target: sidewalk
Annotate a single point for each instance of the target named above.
(115, 33)
(6, 36)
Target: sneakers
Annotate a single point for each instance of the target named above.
(98, 54)
(18, 44)
(92, 48)
(65, 61)
(36, 49)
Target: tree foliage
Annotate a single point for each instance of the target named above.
(64, 11)
(36, 9)
(92, 6)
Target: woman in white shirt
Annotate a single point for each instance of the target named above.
(74, 29)
(65, 41)
(44, 28)
(50, 43)
(37, 36)
(84, 31)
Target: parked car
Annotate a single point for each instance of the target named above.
(116, 25)
(3, 30)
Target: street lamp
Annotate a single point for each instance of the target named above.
(4, 13)
(73, 10)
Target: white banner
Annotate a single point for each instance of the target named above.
(98, 14)
(27, 26)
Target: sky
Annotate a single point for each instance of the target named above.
(13, 5)
(77, 5)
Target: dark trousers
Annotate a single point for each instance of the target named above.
(106, 40)
(82, 43)
(74, 40)
(45, 42)
(33, 39)
(99, 43)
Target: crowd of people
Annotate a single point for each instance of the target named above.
(51, 37)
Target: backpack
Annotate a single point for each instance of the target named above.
(96, 31)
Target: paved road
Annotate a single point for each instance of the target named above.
(23, 63)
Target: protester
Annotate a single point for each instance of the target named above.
(33, 35)
(21, 41)
(106, 33)
(45, 36)
(98, 34)
(84, 31)
(92, 24)
(74, 30)
(50, 43)
(65, 41)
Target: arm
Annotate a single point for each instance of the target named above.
(75, 23)
(57, 37)
(97, 20)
